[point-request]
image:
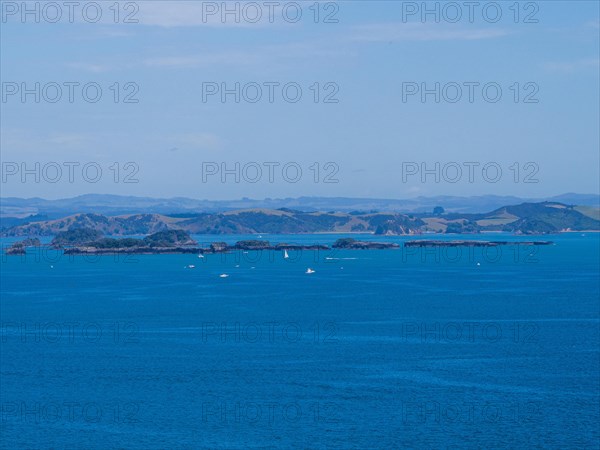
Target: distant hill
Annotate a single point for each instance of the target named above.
(17, 210)
(118, 225)
(556, 216)
(235, 222)
(526, 218)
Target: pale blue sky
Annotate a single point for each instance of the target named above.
(368, 134)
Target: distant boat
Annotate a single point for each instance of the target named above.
(223, 275)
(285, 254)
(309, 270)
(200, 255)
(191, 266)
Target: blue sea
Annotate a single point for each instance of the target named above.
(406, 348)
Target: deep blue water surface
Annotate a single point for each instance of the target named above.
(376, 349)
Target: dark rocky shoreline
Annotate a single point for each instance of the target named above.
(216, 247)
(178, 242)
(353, 244)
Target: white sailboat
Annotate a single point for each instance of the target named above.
(285, 254)
(309, 271)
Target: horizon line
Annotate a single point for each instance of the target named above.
(302, 197)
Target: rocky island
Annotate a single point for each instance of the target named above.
(75, 242)
(353, 244)
(78, 241)
(18, 248)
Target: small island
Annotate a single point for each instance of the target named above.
(18, 248)
(168, 241)
(353, 244)
(78, 242)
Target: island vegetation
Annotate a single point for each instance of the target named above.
(168, 241)
(19, 247)
(353, 244)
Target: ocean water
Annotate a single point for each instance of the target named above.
(435, 349)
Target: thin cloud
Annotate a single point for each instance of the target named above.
(69, 139)
(573, 66)
(193, 14)
(263, 56)
(198, 141)
(187, 61)
(328, 49)
(594, 24)
(90, 67)
(258, 57)
(414, 190)
(394, 32)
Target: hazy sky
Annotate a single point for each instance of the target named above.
(361, 126)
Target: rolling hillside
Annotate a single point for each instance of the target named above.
(526, 218)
